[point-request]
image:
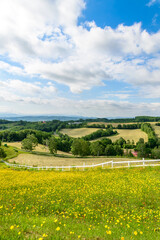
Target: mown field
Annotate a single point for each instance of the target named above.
(130, 134)
(96, 204)
(127, 134)
(79, 132)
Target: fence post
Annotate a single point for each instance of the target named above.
(102, 165)
(112, 164)
(128, 164)
(143, 162)
(83, 166)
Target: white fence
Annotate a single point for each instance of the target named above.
(110, 164)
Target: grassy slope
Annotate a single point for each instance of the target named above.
(108, 204)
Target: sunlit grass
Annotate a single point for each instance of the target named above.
(94, 204)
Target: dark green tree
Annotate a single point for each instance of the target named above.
(30, 142)
(52, 145)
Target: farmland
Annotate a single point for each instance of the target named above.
(95, 204)
(130, 134)
(127, 134)
(78, 132)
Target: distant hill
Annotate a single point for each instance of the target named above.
(41, 118)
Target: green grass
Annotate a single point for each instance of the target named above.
(95, 204)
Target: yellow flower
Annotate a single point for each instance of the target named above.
(108, 232)
(45, 235)
(122, 238)
(141, 232)
(58, 228)
(79, 236)
(11, 227)
(19, 233)
(135, 233)
(40, 238)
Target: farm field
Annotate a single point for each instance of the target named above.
(128, 134)
(40, 160)
(114, 204)
(78, 132)
(157, 130)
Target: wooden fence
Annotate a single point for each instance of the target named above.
(110, 164)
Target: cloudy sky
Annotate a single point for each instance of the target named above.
(80, 57)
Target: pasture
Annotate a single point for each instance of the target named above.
(114, 204)
(78, 132)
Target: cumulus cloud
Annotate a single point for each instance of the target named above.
(16, 90)
(43, 36)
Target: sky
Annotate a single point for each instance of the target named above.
(92, 58)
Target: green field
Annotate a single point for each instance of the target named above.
(94, 204)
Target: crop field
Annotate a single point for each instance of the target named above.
(128, 134)
(78, 132)
(96, 204)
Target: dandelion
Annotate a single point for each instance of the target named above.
(108, 232)
(11, 227)
(58, 228)
(135, 233)
(122, 238)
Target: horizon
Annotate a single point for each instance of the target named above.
(80, 58)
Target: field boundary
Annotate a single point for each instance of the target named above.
(110, 164)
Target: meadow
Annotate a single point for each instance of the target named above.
(97, 204)
(130, 134)
(78, 132)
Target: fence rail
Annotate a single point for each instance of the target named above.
(110, 164)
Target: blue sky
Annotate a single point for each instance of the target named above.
(80, 57)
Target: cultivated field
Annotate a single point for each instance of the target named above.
(78, 132)
(91, 205)
(128, 134)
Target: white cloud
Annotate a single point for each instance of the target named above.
(43, 39)
(16, 90)
(152, 2)
(92, 108)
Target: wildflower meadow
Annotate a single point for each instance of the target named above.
(97, 204)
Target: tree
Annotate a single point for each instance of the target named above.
(96, 149)
(30, 142)
(156, 152)
(109, 150)
(80, 147)
(52, 145)
(2, 153)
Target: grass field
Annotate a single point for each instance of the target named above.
(40, 148)
(157, 130)
(40, 160)
(78, 132)
(128, 134)
(96, 204)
